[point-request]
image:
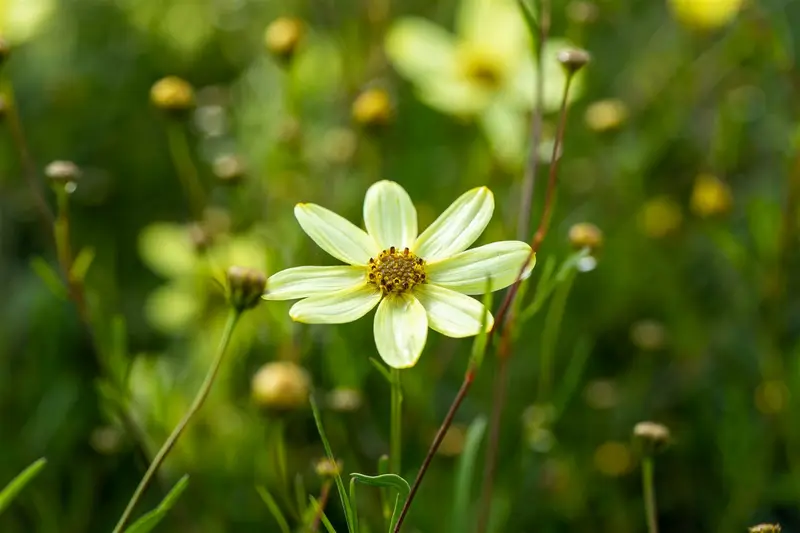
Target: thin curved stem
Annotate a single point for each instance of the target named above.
(649, 494)
(396, 442)
(185, 168)
(201, 396)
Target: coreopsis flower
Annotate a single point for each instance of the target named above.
(485, 70)
(415, 280)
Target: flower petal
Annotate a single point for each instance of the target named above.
(452, 313)
(301, 282)
(505, 128)
(401, 328)
(335, 234)
(338, 307)
(494, 26)
(419, 49)
(466, 272)
(389, 215)
(457, 227)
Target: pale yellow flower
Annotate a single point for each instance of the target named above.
(705, 14)
(416, 280)
(484, 70)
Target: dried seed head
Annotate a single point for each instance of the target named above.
(585, 235)
(229, 168)
(245, 286)
(283, 36)
(765, 528)
(281, 386)
(172, 95)
(651, 436)
(327, 469)
(573, 59)
(63, 174)
(373, 108)
(5, 50)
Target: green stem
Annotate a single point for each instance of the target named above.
(552, 325)
(649, 494)
(185, 168)
(202, 394)
(395, 447)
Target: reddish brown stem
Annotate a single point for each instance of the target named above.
(323, 500)
(469, 377)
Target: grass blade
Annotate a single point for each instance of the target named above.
(18, 483)
(317, 508)
(464, 474)
(274, 509)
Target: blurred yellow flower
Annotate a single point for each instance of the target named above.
(705, 14)
(606, 115)
(21, 19)
(710, 196)
(660, 216)
(373, 107)
(485, 70)
(416, 280)
(281, 385)
(283, 36)
(613, 459)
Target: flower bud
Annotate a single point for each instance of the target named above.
(573, 59)
(651, 436)
(585, 235)
(606, 115)
(172, 95)
(373, 108)
(710, 196)
(245, 286)
(765, 528)
(229, 169)
(344, 400)
(63, 174)
(5, 50)
(327, 469)
(705, 15)
(281, 386)
(283, 36)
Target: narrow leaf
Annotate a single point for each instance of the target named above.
(317, 508)
(348, 511)
(464, 474)
(81, 264)
(388, 481)
(274, 509)
(572, 375)
(18, 483)
(49, 276)
(300, 494)
(150, 520)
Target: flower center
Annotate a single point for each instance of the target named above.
(481, 68)
(395, 271)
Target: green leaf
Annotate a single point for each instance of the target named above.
(354, 503)
(50, 277)
(383, 468)
(274, 509)
(464, 474)
(318, 509)
(572, 375)
(150, 520)
(382, 369)
(392, 481)
(300, 494)
(530, 17)
(81, 264)
(348, 510)
(18, 483)
(479, 344)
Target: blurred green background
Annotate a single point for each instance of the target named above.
(681, 146)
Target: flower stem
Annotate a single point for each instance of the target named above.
(202, 394)
(395, 445)
(26, 160)
(469, 377)
(323, 501)
(649, 494)
(185, 168)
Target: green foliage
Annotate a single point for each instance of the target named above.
(150, 520)
(16, 485)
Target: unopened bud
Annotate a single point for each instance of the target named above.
(585, 235)
(765, 528)
(63, 173)
(573, 59)
(5, 50)
(373, 108)
(651, 436)
(283, 36)
(229, 169)
(245, 286)
(173, 95)
(281, 386)
(345, 400)
(328, 469)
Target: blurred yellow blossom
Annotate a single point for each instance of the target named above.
(485, 70)
(281, 385)
(613, 459)
(373, 107)
(705, 14)
(21, 19)
(283, 36)
(660, 217)
(606, 115)
(771, 396)
(710, 196)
